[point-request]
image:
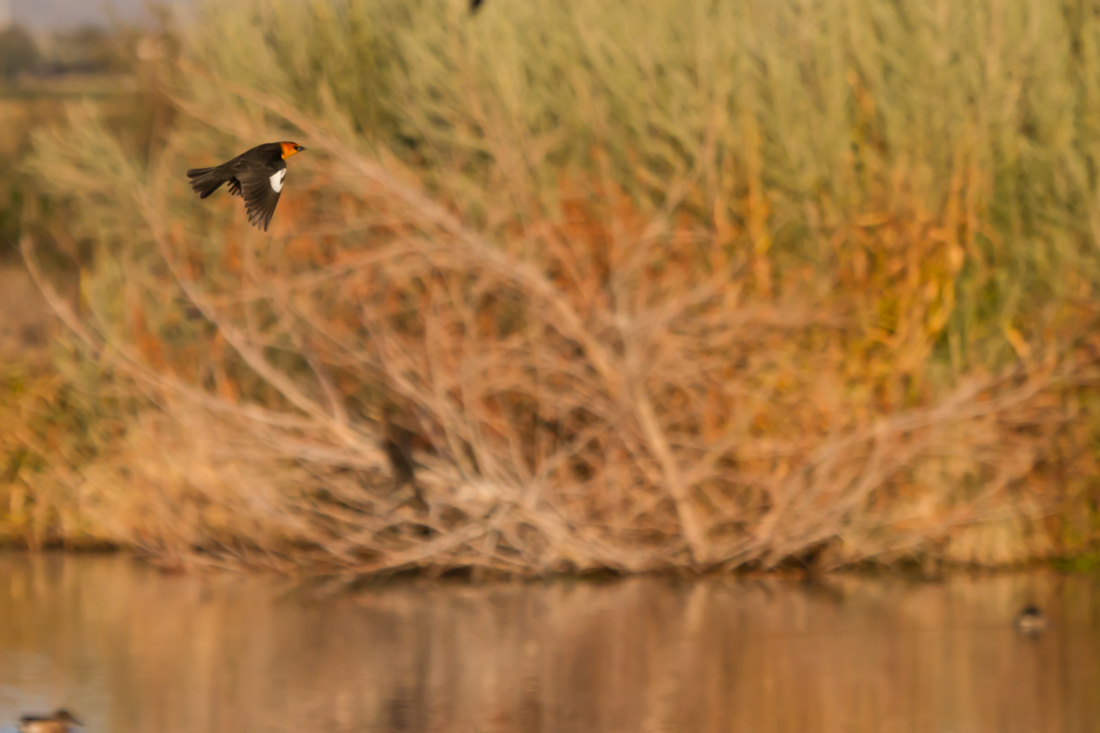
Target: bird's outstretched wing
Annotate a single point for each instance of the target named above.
(261, 194)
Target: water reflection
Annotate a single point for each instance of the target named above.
(131, 650)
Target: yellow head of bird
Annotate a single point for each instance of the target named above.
(290, 149)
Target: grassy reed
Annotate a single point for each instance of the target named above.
(714, 285)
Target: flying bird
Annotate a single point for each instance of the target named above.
(256, 176)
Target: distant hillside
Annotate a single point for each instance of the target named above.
(49, 14)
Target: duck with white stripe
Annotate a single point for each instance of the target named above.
(257, 176)
(61, 721)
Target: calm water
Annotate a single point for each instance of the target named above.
(131, 650)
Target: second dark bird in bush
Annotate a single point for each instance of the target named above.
(256, 176)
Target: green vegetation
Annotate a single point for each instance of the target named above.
(17, 52)
(711, 285)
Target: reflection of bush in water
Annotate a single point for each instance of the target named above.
(220, 653)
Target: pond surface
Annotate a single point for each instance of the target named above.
(133, 651)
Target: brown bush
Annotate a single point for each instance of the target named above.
(601, 356)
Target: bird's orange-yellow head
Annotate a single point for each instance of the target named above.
(290, 149)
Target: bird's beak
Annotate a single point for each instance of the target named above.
(301, 149)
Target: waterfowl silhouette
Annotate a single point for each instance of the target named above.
(1031, 621)
(60, 722)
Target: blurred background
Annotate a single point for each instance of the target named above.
(45, 16)
(707, 287)
(563, 288)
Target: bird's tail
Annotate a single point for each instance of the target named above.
(206, 181)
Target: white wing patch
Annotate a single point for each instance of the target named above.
(277, 180)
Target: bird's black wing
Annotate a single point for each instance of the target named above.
(260, 195)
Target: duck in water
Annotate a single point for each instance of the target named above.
(60, 722)
(1031, 621)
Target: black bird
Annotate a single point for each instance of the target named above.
(60, 722)
(256, 176)
(397, 442)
